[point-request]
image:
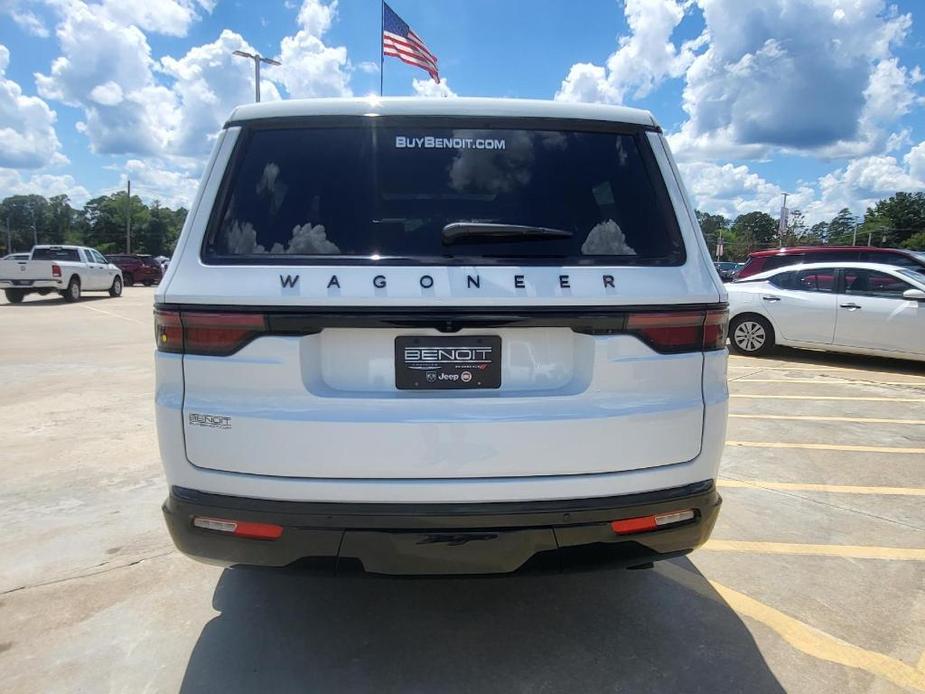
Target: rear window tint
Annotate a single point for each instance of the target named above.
(775, 261)
(386, 193)
(64, 254)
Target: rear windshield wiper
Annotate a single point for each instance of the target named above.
(462, 232)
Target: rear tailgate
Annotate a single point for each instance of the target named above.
(326, 404)
(25, 272)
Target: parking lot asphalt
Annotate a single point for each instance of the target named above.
(814, 579)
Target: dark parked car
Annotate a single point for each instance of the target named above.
(761, 261)
(137, 268)
(726, 270)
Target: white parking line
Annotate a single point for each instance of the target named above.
(110, 313)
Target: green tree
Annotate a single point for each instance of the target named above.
(713, 226)
(796, 232)
(817, 234)
(755, 230)
(916, 242)
(27, 216)
(841, 228)
(105, 218)
(896, 219)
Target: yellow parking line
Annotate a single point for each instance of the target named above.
(820, 418)
(825, 447)
(823, 397)
(829, 488)
(801, 636)
(846, 551)
(829, 381)
(822, 369)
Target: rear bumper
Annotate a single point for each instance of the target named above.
(434, 539)
(28, 285)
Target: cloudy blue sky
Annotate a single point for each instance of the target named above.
(822, 99)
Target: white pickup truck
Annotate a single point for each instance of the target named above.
(68, 270)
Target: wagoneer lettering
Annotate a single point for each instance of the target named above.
(495, 319)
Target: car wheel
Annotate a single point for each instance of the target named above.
(127, 279)
(148, 283)
(752, 335)
(116, 288)
(72, 293)
(14, 296)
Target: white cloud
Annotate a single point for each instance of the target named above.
(915, 161)
(732, 190)
(643, 59)
(170, 17)
(427, 87)
(811, 76)
(310, 68)
(153, 179)
(29, 22)
(368, 66)
(27, 133)
(13, 182)
(99, 59)
(208, 83)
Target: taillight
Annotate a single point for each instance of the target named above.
(55, 270)
(215, 334)
(715, 329)
(680, 331)
(168, 332)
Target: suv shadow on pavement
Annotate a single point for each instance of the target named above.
(627, 631)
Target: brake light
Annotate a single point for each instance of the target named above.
(643, 524)
(168, 331)
(253, 531)
(55, 270)
(715, 329)
(680, 331)
(215, 334)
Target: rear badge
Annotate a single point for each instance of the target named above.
(443, 363)
(211, 421)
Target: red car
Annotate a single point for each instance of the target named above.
(137, 268)
(760, 261)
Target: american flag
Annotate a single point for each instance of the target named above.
(400, 41)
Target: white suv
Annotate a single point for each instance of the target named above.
(420, 336)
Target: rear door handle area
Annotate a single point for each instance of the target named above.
(770, 298)
(850, 307)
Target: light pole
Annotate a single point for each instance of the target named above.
(257, 58)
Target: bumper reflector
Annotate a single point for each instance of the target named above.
(642, 524)
(254, 531)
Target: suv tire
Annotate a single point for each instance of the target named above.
(751, 335)
(127, 279)
(116, 288)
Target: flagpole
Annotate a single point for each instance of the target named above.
(381, 34)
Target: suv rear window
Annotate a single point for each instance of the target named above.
(63, 254)
(385, 194)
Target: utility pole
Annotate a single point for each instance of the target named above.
(128, 219)
(35, 232)
(9, 236)
(782, 225)
(257, 58)
(854, 238)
